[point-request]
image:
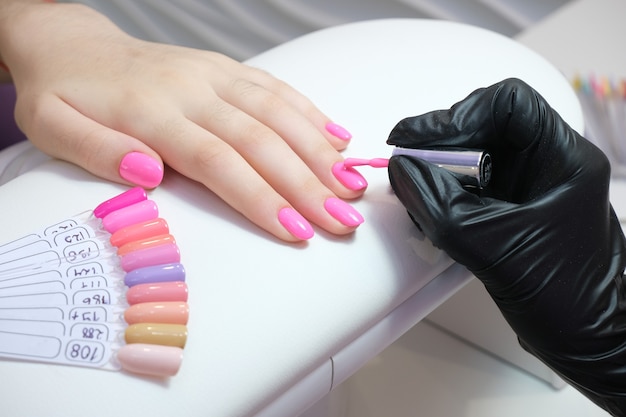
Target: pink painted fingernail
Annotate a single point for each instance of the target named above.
(295, 223)
(338, 131)
(344, 212)
(141, 169)
(148, 359)
(349, 177)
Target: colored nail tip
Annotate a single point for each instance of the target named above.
(173, 312)
(156, 255)
(173, 271)
(141, 169)
(343, 212)
(157, 292)
(163, 334)
(150, 360)
(127, 198)
(139, 231)
(132, 214)
(295, 223)
(145, 244)
(349, 177)
(338, 131)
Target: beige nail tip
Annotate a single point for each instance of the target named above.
(152, 360)
(157, 334)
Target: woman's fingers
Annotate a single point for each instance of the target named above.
(251, 168)
(257, 118)
(337, 136)
(61, 131)
(252, 139)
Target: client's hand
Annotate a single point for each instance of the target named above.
(542, 238)
(121, 107)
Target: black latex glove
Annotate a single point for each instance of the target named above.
(542, 238)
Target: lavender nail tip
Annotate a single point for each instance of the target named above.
(158, 273)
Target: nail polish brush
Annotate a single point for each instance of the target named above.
(374, 163)
(473, 166)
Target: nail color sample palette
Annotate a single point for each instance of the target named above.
(603, 102)
(102, 289)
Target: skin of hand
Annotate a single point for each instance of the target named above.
(542, 236)
(91, 94)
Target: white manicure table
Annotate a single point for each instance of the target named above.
(274, 327)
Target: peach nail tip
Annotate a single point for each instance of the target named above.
(157, 292)
(173, 312)
(146, 243)
(151, 360)
(139, 231)
(338, 131)
(295, 223)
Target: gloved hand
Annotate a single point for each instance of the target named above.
(542, 237)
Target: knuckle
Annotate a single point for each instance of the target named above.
(211, 158)
(254, 136)
(265, 100)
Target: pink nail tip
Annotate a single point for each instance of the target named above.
(154, 360)
(343, 212)
(155, 255)
(338, 131)
(157, 292)
(127, 198)
(129, 215)
(141, 169)
(349, 177)
(295, 223)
